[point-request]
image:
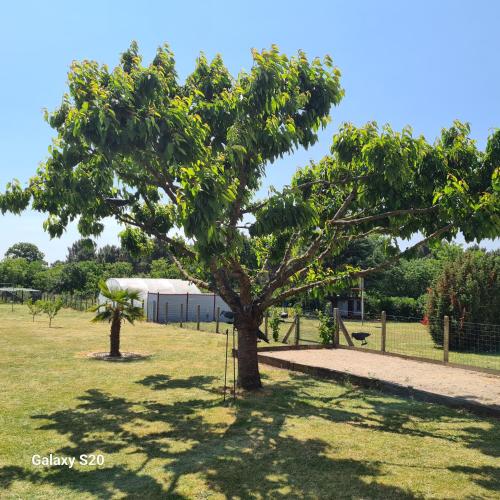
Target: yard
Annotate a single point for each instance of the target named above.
(164, 432)
(402, 337)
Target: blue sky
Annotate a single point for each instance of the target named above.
(422, 63)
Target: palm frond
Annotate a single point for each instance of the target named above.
(119, 302)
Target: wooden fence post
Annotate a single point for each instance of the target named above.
(446, 338)
(297, 329)
(166, 312)
(384, 331)
(182, 314)
(198, 316)
(217, 320)
(336, 327)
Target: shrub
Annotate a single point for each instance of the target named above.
(274, 324)
(35, 307)
(326, 327)
(51, 308)
(407, 307)
(468, 291)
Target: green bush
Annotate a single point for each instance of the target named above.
(51, 308)
(326, 327)
(407, 307)
(274, 324)
(468, 291)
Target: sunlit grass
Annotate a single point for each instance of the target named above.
(165, 432)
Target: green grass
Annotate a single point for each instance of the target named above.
(165, 433)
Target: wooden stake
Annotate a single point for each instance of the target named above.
(345, 332)
(285, 338)
(336, 315)
(297, 329)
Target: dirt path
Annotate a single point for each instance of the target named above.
(475, 387)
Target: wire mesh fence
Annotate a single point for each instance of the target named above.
(411, 337)
(469, 344)
(70, 301)
(475, 344)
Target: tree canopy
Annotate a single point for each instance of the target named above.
(23, 250)
(160, 155)
(81, 250)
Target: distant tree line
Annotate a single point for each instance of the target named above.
(85, 265)
(402, 289)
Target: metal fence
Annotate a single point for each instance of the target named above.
(69, 300)
(468, 344)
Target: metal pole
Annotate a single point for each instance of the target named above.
(446, 339)
(225, 367)
(362, 286)
(182, 314)
(217, 320)
(198, 316)
(384, 331)
(234, 370)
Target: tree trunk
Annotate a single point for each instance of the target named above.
(114, 338)
(248, 365)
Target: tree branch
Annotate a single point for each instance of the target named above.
(357, 274)
(370, 218)
(291, 267)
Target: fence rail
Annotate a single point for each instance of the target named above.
(469, 344)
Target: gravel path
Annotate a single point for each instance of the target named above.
(477, 387)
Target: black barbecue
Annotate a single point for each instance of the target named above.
(361, 336)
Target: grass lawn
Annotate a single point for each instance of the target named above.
(164, 432)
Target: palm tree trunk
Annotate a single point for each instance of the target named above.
(114, 337)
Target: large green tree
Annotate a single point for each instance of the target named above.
(161, 155)
(24, 250)
(81, 250)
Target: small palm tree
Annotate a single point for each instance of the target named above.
(118, 307)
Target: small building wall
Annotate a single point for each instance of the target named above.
(354, 311)
(159, 305)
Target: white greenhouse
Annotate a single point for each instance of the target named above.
(172, 300)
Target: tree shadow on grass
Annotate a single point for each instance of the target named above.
(254, 455)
